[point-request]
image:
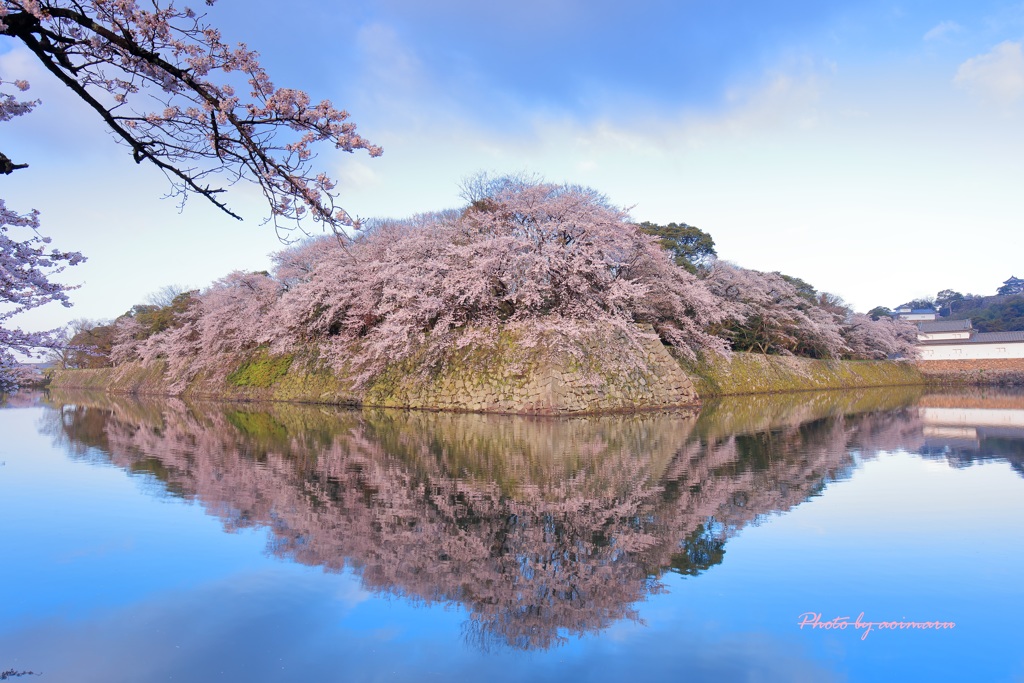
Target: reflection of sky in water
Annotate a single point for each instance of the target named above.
(103, 581)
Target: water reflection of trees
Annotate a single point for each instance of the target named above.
(541, 528)
(25, 398)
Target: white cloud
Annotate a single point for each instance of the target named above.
(356, 175)
(388, 60)
(942, 29)
(997, 75)
(781, 100)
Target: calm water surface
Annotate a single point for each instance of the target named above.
(163, 540)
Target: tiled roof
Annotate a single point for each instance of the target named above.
(931, 326)
(998, 337)
(978, 338)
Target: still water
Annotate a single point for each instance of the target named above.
(149, 540)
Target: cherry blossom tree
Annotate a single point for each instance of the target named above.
(786, 316)
(149, 332)
(871, 339)
(774, 315)
(296, 264)
(129, 336)
(232, 316)
(26, 266)
(527, 264)
(10, 107)
(554, 262)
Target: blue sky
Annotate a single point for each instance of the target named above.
(874, 149)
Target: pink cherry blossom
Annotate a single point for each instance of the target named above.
(26, 266)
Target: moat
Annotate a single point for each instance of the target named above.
(160, 539)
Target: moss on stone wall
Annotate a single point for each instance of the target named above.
(262, 370)
(750, 373)
(259, 376)
(544, 379)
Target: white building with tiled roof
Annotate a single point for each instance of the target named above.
(958, 340)
(915, 314)
(944, 330)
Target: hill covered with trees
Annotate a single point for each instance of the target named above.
(992, 313)
(550, 266)
(1001, 312)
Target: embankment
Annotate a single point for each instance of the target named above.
(503, 381)
(986, 372)
(751, 373)
(130, 378)
(500, 379)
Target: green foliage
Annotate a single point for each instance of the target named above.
(261, 371)
(154, 318)
(992, 313)
(157, 469)
(947, 300)
(691, 247)
(1006, 315)
(803, 288)
(90, 347)
(1003, 312)
(879, 312)
(917, 304)
(699, 551)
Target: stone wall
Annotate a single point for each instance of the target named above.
(507, 379)
(500, 379)
(1003, 371)
(130, 378)
(752, 373)
(550, 385)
